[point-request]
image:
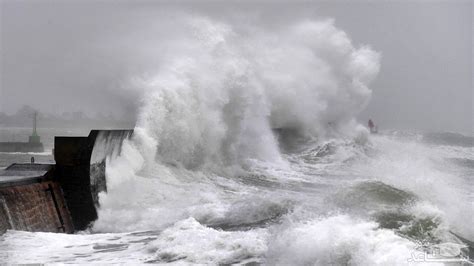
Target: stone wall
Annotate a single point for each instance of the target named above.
(34, 207)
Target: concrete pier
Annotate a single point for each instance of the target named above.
(31, 200)
(61, 197)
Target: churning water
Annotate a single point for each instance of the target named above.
(246, 150)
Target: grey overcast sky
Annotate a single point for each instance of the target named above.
(75, 55)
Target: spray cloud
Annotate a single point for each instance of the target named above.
(222, 89)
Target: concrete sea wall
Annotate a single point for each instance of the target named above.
(62, 197)
(33, 204)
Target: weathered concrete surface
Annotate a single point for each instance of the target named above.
(16, 174)
(73, 171)
(72, 155)
(30, 200)
(108, 144)
(61, 197)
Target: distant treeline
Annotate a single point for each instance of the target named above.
(24, 118)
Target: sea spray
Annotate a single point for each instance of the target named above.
(215, 102)
(251, 134)
(210, 111)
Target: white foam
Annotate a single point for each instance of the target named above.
(195, 243)
(26, 247)
(338, 240)
(423, 170)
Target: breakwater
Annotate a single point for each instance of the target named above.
(59, 197)
(31, 200)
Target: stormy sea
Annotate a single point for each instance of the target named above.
(247, 149)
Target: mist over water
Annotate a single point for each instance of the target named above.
(246, 150)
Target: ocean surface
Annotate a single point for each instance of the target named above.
(389, 201)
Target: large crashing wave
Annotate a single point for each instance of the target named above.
(209, 112)
(222, 89)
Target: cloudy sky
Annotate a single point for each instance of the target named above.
(78, 55)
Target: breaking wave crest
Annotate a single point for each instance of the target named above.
(247, 143)
(211, 112)
(216, 100)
